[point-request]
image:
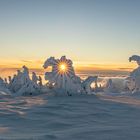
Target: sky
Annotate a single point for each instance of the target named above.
(95, 34)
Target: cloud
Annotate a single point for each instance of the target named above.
(126, 69)
(26, 61)
(108, 73)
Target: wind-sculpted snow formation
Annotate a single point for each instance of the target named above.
(62, 80)
(21, 84)
(129, 85)
(134, 78)
(3, 88)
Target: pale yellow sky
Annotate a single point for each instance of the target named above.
(94, 38)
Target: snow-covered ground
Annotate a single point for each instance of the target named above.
(77, 117)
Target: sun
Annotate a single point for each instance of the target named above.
(63, 67)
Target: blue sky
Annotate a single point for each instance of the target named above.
(87, 31)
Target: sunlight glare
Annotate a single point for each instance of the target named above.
(63, 67)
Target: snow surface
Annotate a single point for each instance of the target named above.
(78, 117)
(30, 110)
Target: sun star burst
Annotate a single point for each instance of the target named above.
(63, 68)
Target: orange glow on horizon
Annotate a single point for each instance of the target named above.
(126, 67)
(11, 65)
